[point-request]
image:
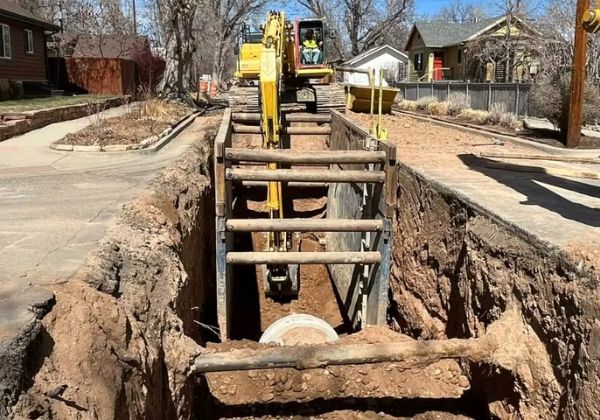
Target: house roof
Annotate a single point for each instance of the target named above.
(107, 46)
(13, 11)
(439, 34)
(375, 51)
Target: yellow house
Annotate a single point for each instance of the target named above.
(475, 50)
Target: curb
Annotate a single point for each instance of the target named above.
(495, 135)
(149, 145)
(170, 134)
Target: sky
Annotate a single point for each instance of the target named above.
(429, 7)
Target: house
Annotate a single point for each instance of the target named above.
(470, 51)
(388, 58)
(22, 45)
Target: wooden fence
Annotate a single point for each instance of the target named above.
(514, 96)
(105, 76)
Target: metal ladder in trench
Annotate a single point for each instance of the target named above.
(359, 215)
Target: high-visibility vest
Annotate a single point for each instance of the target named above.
(310, 43)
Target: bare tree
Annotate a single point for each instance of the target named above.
(176, 19)
(460, 11)
(225, 17)
(329, 11)
(367, 21)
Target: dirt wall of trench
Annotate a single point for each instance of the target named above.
(119, 341)
(457, 268)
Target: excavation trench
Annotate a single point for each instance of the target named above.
(127, 329)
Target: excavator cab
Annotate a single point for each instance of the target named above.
(317, 67)
(315, 30)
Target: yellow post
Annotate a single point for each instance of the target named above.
(381, 132)
(348, 100)
(372, 84)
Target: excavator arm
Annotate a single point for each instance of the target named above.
(271, 69)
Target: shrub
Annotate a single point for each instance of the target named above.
(457, 101)
(495, 114)
(423, 103)
(408, 105)
(551, 101)
(475, 116)
(438, 108)
(510, 121)
(499, 116)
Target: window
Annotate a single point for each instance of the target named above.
(418, 61)
(459, 56)
(28, 41)
(5, 44)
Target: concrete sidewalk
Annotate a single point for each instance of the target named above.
(54, 208)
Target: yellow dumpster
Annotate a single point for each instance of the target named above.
(360, 99)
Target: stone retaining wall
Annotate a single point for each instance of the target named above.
(17, 123)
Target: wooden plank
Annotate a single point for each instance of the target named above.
(313, 157)
(415, 353)
(303, 225)
(572, 159)
(303, 258)
(568, 172)
(297, 175)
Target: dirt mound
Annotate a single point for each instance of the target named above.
(443, 379)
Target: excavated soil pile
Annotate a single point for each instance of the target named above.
(443, 379)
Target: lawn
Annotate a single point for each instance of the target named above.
(21, 105)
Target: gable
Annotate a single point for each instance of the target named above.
(375, 54)
(501, 28)
(415, 40)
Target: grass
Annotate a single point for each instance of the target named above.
(21, 105)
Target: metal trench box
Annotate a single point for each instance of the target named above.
(363, 296)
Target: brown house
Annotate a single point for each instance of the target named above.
(22, 44)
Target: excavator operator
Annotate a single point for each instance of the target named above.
(311, 53)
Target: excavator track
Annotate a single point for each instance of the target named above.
(329, 97)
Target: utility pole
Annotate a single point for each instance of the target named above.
(577, 77)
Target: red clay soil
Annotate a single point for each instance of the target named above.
(443, 379)
(544, 136)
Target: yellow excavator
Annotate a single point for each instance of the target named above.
(273, 59)
(591, 20)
